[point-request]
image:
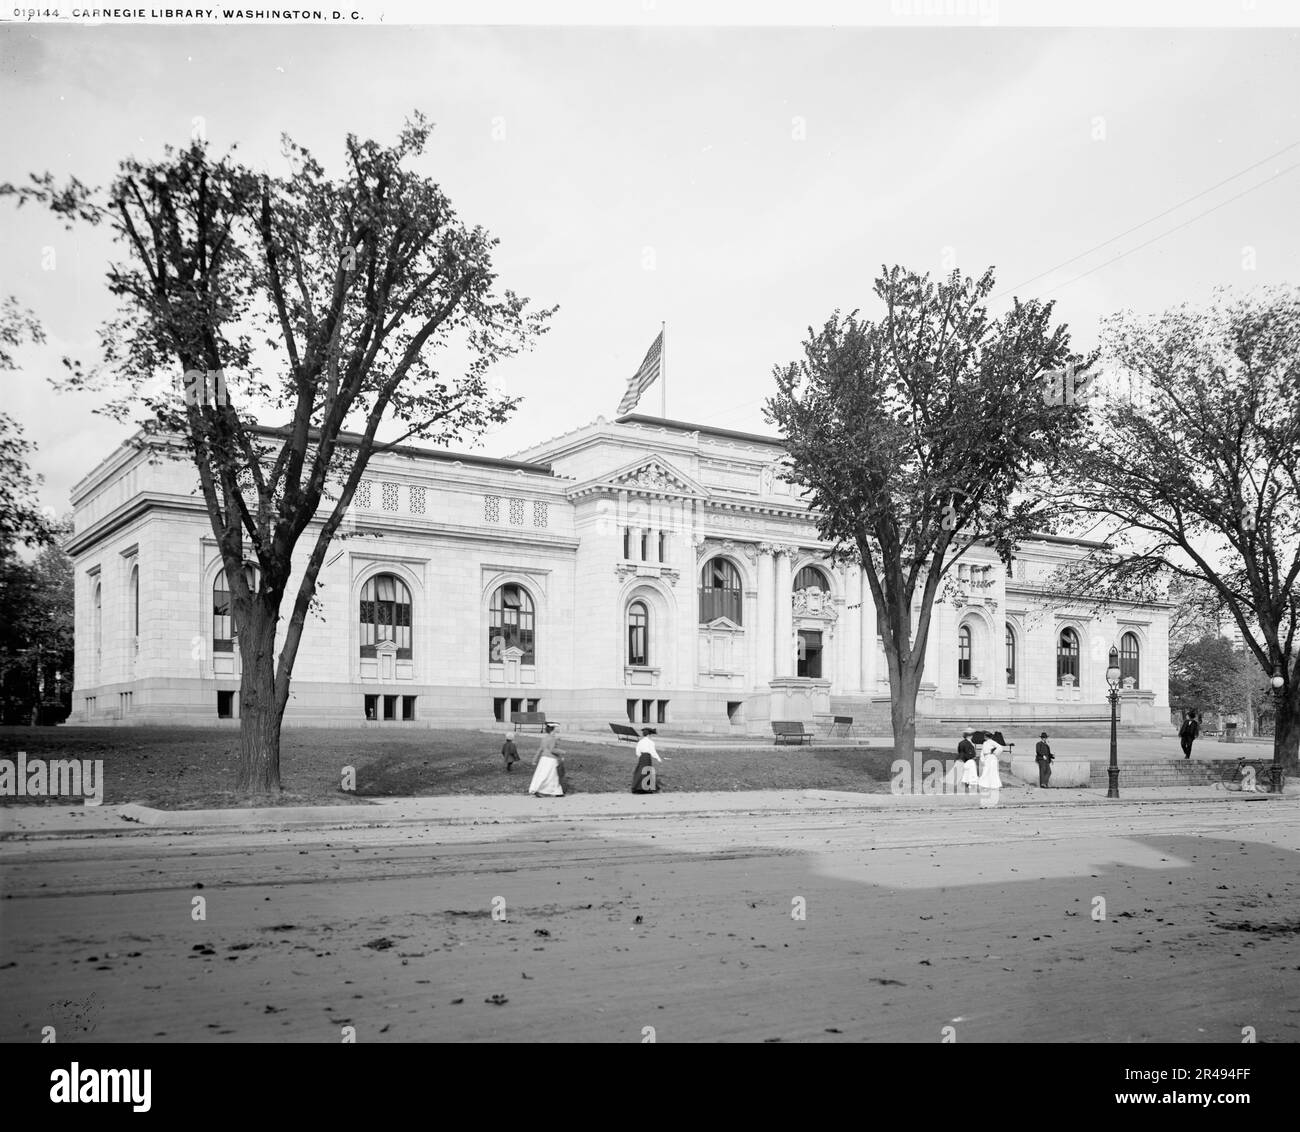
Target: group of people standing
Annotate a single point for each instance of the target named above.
(979, 751)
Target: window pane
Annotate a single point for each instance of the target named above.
(811, 578)
(1128, 658)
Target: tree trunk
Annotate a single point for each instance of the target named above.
(260, 714)
(903, 688)
(1286, 732)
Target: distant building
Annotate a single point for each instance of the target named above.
(637, 569)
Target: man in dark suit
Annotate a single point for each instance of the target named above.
(1043, 757)
(1188, 733)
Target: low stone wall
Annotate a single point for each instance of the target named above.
(1065, 772)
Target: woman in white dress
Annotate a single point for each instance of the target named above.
(546, 778)
(990, 780)
(645, 779)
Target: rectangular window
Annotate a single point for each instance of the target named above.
(627, 542)
(499, 709)
(663, 711)
(733, 711)
(663, 546)
(645, 545)
(390, 707)
(222, 632)
(516, 705)
(372, 707)
(225, 705)
(408, 707)
(631, 711)
(636, 634)
(645, 710)
(532, 705)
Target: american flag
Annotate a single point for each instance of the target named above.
(644, 377)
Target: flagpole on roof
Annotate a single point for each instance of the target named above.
(663, 369)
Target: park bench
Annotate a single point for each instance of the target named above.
(625, 732)
(528, 719)
(790, 732)
(841, 725)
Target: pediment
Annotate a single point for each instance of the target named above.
(647, 474)
(724, 623)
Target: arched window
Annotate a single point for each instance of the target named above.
(720, 594)
(811, 578)
(1067, 656)
(963, 653)
(1128, 658)
(97, 624)
(133, 595)
(385, 615)
(1011, 656)
(638, 634)
(510, 624)
(223, 609)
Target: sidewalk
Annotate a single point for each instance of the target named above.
(22, 822)
(1095, 748)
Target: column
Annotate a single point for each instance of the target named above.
(784, 621)
(850, 627)
(763, 671)
(753, 649)
(867, 634)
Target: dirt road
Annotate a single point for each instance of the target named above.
(829, 926)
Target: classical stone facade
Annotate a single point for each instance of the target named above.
(636, 568)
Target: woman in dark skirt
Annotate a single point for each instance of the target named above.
(645, 779)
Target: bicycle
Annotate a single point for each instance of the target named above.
(1248, 776)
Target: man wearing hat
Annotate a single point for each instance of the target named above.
(1043, 757)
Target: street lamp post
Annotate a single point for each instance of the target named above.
(1275, 771)
(1112, 681)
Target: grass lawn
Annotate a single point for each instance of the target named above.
(194, 768)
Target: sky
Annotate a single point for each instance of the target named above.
(737, 184)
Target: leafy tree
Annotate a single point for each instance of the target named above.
(914, 437)
(320, 302)
(1196, 472)
(21, 520)
(1208, 676)
(36, 635)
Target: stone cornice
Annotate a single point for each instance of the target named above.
(141, 505)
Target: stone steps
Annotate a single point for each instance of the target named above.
(1175, 772)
